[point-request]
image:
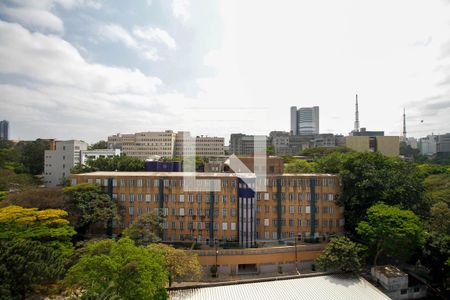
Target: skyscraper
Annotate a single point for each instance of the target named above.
(4, 130)
(305, 120)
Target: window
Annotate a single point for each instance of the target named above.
(274, 235)
(266, 222)
(139, 182)
(131, 197)
(233, 212)
(191, 211)
(224, 212)
(191, 198)
(299, 223)
(199, 198)
(139, 197)
(403, 291)
(291, 209)
(291, 222)
(308, 209)
(181, 198)
(266, 196)
(224, 199)
(233, 226)
(181, 211)
(148, 197)
(131, 210)
(114, 196)
(224, 225)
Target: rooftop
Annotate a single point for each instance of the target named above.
(390, 271)
(197, 174)
(340, 287)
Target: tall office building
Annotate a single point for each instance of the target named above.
(305, 121)
(4, 130)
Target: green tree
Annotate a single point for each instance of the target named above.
(435, 257)
(146, 230)
(437, 188)
(323, 151)
(99, 145)
(89, 205)
(41, 198)
(32, 155)
(121, 269)
(391, 231)
(182, 265)
(34, 248)
(342, 254)
(440, 218)
(367, 178)
(299, 166)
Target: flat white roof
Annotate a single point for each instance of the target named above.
(197, 174)
(336, 287)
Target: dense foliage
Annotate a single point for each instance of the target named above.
(89, 205)
(115, 163)
(181, 264)
(391, 231)
(34, 248)
(147, 229)
(342, 254)
(122, 269)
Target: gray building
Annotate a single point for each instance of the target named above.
(428, 145)
(4, 130)
(443, 143)
(305, 121)
(59, 162)
(284, 143)
(242, 144)
(365, 132)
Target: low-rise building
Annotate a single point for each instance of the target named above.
(167, 143)
(395, 283)
(242, 144)
(97, 153)
(59, 162)
(387, 145)
(293, 206)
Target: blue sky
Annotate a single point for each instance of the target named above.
(87, 69)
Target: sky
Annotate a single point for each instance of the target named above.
(86, 69)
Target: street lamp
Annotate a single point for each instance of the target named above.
(295, 243)
(217, 251)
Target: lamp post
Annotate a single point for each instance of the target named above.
(295, 243)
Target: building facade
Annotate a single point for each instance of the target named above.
(428, 145)
(242, 144)
(304, 121)
(97, 153)
(293, 206)
(59, 162)
(443, 144)
(4, 130)
(167, 143)
(387, 145)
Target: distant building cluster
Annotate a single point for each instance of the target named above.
(166, 144)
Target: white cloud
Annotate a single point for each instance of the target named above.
(152, 34)
(180, 9)
(38, 14)
(144, 39)
(67, 97)
(47, 58)
(34, 17)
(117, 33)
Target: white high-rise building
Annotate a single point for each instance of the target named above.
(305, 121)
(59, 162)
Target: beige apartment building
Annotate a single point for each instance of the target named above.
(166, 144)
(299, 206)
(387, 145)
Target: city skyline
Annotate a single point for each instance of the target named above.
(105, 68)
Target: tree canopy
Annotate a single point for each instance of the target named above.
(147, 229)
(119, 163)
(299, 166)
(34, 248)
(342, 254)
(391, 231)
(121, 269)
(89, 205)
(182, 264)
